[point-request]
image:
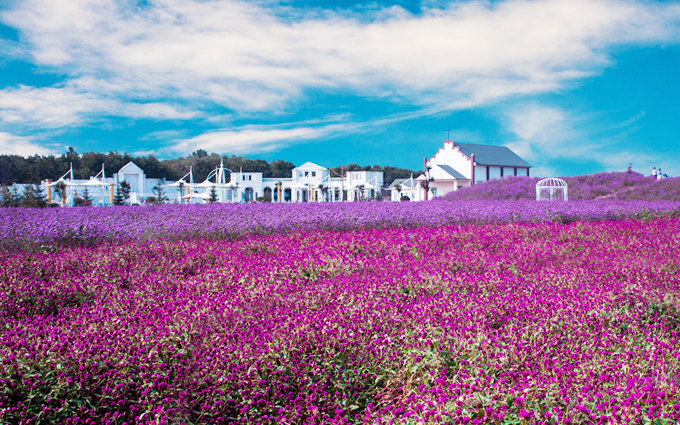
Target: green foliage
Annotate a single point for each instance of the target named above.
(15, 168)
(125, 190)
(159, 195)
(9, 196)
(212, 197)
(60, 190)
(33, 197)
(87, 198)
(119, 196)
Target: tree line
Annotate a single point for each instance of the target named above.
(34, 169)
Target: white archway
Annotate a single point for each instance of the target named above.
(552, 189)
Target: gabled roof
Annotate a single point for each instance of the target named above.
(130, 166)
(492, 155)
(405, 183)
(310, 165)
(453, 173)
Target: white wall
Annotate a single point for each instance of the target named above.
(451, 156)
(494, 172)
(444, 187)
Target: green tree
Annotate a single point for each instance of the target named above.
(426, 183)
(60, 189)
(33, 197)
(212, 198)
(118, 198)
(9, 196)
(159, 195)
(87, 198)
(125, 189)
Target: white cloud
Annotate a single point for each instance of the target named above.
(546, 134)
(251, 139)
(47, 107)
(247, 57)
(18, 145)
(54, 107)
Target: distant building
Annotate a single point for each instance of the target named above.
(308, 183)
(404, 188)
(457, 165)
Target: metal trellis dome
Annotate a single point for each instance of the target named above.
(552, 189)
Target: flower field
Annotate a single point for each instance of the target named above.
(518, 321)
(622, 186)
(38, 230)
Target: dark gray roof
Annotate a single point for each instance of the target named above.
(492, 155)
(453, 173)
(405, 183)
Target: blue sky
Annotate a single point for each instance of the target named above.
(572, 86)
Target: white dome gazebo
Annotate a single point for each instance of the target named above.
(552, 189)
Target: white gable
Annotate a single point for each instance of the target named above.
(451, 156)
(310, 166)
(130, 168)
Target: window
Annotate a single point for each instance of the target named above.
(502, 171)
(313, 173)
(244, 178)
(306, 173)
(434, 192)
(250, 177)
(487, 173)
(515, 170)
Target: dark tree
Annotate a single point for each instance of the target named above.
(60, 190)
(5, 171)
(9, 196)
(212, 198)
(118, 197)
(87, 198)
(125, 189)
(33, 197)
(426, 183)
(159, 195)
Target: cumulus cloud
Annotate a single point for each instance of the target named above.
(247, 57)
(17, 145)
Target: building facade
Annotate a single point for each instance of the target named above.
(457, 165)
(309, 182)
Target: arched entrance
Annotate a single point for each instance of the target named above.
(248, 194)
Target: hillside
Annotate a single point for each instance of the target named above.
(624, 186)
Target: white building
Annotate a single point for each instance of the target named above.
(308, 183)
(408, 189)
(102, 189)
(457, 165)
